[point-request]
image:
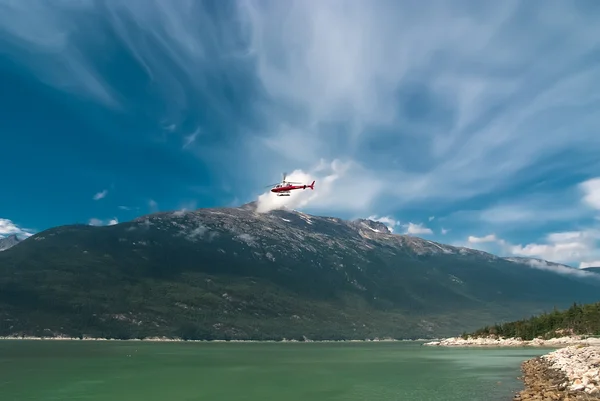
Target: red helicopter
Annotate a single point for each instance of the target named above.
(284, 188)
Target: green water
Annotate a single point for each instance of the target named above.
(136, 371)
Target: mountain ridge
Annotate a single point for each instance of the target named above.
(372, 225)
(234, 273)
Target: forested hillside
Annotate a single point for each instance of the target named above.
(578, 319)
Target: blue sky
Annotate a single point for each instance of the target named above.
(470, 123)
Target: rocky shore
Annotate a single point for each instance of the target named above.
(570, 373)
(514, 342)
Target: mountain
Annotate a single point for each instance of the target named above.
(8, 242)
(233, 273)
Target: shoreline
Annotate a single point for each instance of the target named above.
(569, 373)
(168, 339)
(558, 342)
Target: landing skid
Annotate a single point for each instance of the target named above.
(283, 194)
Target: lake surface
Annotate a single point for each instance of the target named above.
(142, 371)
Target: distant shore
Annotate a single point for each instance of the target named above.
(167, 339)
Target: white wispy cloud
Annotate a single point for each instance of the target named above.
(532, 212)
(585, 265)
(55, 55)
(557, 268)
(580, 246)
(488, 238)
(8, 227)
(472, 95)
(191, 138)
(101, 195)
(591, 188)
(342, 185)
(186, 207)
(533, 208)
(99, 222)
(564, 247)
(389, 221)
(153, 205)
(128, 208)
(575, 248)
(385, 104)
(444, 101)
(417, 229)
(95, 222)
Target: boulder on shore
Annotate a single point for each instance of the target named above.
(570, 373)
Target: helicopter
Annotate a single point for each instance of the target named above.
(284, 187)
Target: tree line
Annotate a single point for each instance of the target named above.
(579, 319)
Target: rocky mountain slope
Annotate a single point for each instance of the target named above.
(8, 242)
(236, 273)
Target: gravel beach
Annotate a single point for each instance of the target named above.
(569, 373)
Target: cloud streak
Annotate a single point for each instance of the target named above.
(51, 32)
(8, 227)
(389, 221)
(452, 99)
(417, 229)
(580, 246)
(487, 238)
(591, 188)
(100, 195)
(153, 206)
(344, 185)
(585, 265)
(565, 247)
(436, 100)
(99, 222)
(190, 139)
(392, 107)
(557, 268)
